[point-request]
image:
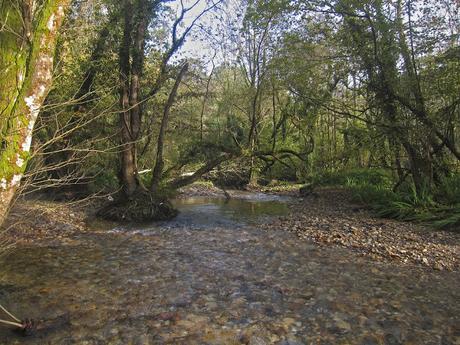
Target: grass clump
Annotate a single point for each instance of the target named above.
(374, 177)
(438, 206)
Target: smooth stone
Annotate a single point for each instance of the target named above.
(254, 340)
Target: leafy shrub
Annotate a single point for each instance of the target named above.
(439, 208)
(371, 194)
(446, 217)
(448, 191)
(234, 174)
(407, 205)
(281, 172)
(107, 181)
(376, 177)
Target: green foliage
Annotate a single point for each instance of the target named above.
(231, 175)
(281, 172)
(105, 181)
(436, 215)
(446, 217)
(361, 177)
(440, 209)
(448, 192)
(371, 194)
(280, 187)
(409, 206)
(307, 97)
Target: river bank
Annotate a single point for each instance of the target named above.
(327, 218)
(33, 221)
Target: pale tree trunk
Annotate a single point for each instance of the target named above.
(28, 36)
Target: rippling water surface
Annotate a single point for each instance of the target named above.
(211, 277)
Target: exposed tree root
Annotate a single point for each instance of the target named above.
(140, 208)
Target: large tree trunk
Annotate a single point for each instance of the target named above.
(28, 36)
(128, 173)
(131, 60)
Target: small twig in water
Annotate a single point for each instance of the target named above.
(11, 323)
(9, 314)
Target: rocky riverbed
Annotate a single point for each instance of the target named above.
(328, 218)
(230, 275)
(222, 286)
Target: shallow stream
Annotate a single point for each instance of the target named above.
(213, 276)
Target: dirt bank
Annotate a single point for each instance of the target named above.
(31, 221)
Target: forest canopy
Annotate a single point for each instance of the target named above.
(148, 96)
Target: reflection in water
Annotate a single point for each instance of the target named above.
(200, 212)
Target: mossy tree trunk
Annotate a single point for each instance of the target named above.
(28, 35)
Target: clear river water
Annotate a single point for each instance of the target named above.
(214, 275)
